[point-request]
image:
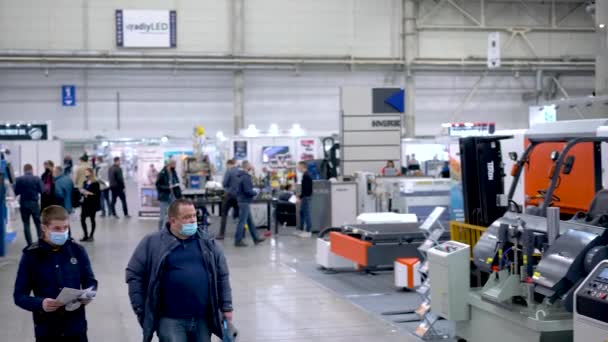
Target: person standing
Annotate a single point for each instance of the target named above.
(179, 283)
(245, 195)
(117, 187)
(83, 165)
(63, 189)
(90, 204)
(53, 263)
(305, 197)
(29, 187)
(101, 172)
(168, 189)
(230, 192)
(68, 164)
(48, 191)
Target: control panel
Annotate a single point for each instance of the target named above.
(592, 296)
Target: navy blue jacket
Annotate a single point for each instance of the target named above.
(38, 273)
(28, 187)
(144, 272)
(230, 181)
(63, 191)
(245, 192)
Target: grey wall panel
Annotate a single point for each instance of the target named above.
(371, 153)
(356, 101)
(370, 138)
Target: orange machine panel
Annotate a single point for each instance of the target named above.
(575, 190)
(349, 247)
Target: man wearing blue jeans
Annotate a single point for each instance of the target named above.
(188, 272)
(245, 195)
(304, 197)
(167, 186)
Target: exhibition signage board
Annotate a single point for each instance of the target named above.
(68, 95)
(24, 132)
(240, 150)
(149, 163)
(146, 28)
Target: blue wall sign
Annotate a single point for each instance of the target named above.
(68, 95)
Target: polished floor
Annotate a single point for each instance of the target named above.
(273, 300)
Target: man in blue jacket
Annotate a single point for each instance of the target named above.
(29, 188)
(46, 267)
(230, 200)
(63, 189)
(168, 188)
(179, 284)
(245, 195)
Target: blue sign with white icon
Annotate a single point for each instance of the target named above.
(68, 95)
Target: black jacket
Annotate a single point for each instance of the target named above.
(37, 273)
(306, 185)
(244, 187)
(117, 181)
(91, 204)
(143, 276)
(163, 185)
(28, 187)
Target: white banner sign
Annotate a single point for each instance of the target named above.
(146, 29)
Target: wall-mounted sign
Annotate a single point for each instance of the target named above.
(146, 28)
(386, 123)
(240, 150)
(494, 50)
(542, 114)
(68, 95)
(388, 100)
(24, 132)
(469, 129)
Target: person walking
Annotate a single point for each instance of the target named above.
(63, 189)
(101, 172)
(245, 195)
(167, 186)
(48, 182)
(29, 188)
(304, 198)
(179, 283)
(117, 187)
(90, 204)
(53, 263)
(230, 191)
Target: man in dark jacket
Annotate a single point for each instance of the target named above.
(48, 182)
(167, 186)
(29, 187)
(178, 279)
(229, 196)
(53, 263)
(304, 198)
(245, 195)
(117, 186)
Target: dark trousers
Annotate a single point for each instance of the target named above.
(184, 330)
(83, 221)
(119, 193)
(305, 216)
(30, 209)
(105, 202)
(229, 202)
(81, 338)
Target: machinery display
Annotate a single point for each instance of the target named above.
(591, 306)
(537, 257)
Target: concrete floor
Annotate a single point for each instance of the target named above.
(273, 301)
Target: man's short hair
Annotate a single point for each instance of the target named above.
(116, 159)
(303, 164)
(28, 168)
(175, 206)
(231, 162)
(59, 169)
(53, 213)
(50, 163)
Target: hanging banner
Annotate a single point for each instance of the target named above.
(307, 149)
(146, 28)
(149, 163)
(240, 150)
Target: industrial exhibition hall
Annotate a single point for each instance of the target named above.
(304, 170)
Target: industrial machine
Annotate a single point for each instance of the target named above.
(482, 179)
(591, 306)
(537, 257)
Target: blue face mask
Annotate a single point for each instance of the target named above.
(59, 239)
(189, 229)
